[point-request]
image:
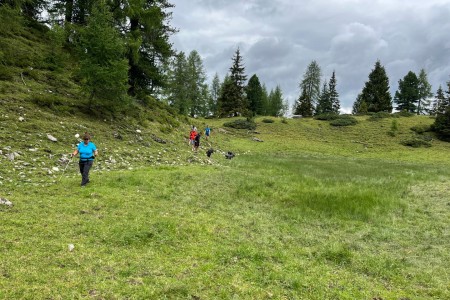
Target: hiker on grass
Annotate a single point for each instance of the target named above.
(88, 151)
(207, 132)
(192, 136)
(197, 141)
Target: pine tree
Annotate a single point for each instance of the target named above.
(442, 123)
(376, 91)
(276, 102)
(424, 93)
(177, 89)
(264, 100)
(196, 83)
(334, 95)
(254, 95)
(324, 104)
(359, 106)
(407, 95)
(145, 25)
(304, 105)
(215, 93)
(439, 102)
(310, 85)
(103, 66)
(233, 101)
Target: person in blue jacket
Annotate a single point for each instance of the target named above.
(88, 151)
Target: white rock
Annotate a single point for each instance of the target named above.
(71, 247)
(52, 138)
(77, 135)
(138, 131)
(21, 119)
(6, 202)
(56, 169)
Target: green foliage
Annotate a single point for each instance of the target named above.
(407, 96)
(268, 121)
(404, 113)
(379, 116)
(442, 124)
(420, 129)
(416, 142)
(284, 120)
(46, 100)
(344, 120)
(327, 116)
(254, 96)
(103, 67)
(310, 91)
(394, 128)
(375, 93)
(241, 124)
(275, 102)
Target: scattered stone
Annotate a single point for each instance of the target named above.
(71, 247)
(257, 140)
(138, 131)
(21, 119)
(52, 138)
(158, 140)
(77, 135)
(11, 156)
(33, 149)
(56, 169)
(4, 201)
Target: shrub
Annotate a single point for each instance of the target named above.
(394, 128)
(442, 125)
(416, 142)
(241, 124)
(327, 116)
(404, 113)
(284, 121)
(268, 121)
(380, 115)
(421, 128)
(344, 120)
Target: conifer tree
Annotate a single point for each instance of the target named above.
(324, 105)
(439, 102)
(310, 87)
(442, 123)
(254, 95)
(103, 66)
(276, 102)
(423, 105)
(233, 101)
(407, 95)
(376, 91)
(177, 89)
(196, 83)
(304, 105)
(359, 106)
(334, 95)
(214, 94)
(264, 100)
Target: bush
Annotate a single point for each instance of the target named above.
(284, 121)
(416, 142)
(241, 124)
(404, 113)
(268, 121)
(327, 116)
(442, 125)
(421, 128)
(380, 115)
(344, 120)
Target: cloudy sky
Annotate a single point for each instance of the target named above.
(279, 38)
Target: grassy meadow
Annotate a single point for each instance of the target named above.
(312, 212)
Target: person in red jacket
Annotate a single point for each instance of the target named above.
(192, 136)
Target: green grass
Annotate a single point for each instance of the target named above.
(259, 226)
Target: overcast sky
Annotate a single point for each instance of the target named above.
(279, 38)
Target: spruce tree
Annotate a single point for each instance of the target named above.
(177, 89)
(233, 101)
(423, 105)
(376, 91)
(442, 123)
(214, 94)
(254, 95)
(103, 66)
(334, 95)
(276, 102)
(324, 104)
(439, 102)
(304, 105)
(407, 95)
(264, 100)
(196, 85)
(310, 85)
(359, 106)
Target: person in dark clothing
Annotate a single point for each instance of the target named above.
(88, 151)
(197, 141)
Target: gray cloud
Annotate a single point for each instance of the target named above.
(279, 38)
